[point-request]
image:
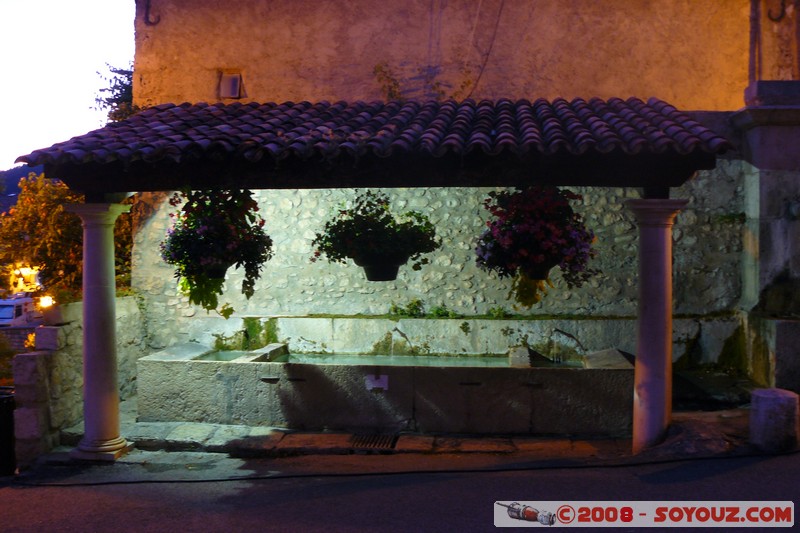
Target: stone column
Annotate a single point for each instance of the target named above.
(101, 438)
(652, 394)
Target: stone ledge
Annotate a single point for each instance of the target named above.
(321, 443)
(772, 93)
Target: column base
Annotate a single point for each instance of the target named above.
(109, 451)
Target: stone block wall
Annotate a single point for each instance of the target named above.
(708, 237)
(49, 381)
(770, 351)
(17, 336)
(33, 430)
(698, 341)
(473, 400)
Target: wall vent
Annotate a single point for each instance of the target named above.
(230, 85)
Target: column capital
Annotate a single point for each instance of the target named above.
(656, 211)
(99, 213)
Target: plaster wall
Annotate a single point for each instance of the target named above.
(776, 35)
(691, 53)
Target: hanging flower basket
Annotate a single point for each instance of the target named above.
(377, 270)
(213, 231)
(540, 271)
(216, 271)
(375, 239)
(533, 230)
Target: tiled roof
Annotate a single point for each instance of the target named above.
(619, 143)
(257, 132)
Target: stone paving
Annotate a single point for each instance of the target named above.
(693, 434)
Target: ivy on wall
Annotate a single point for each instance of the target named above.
(426, 82)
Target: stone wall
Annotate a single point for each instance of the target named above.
(17, 336)
(772, 259)
(692, 54)
(425, 399)
(708, 237)
(49, 381)
(564, 339)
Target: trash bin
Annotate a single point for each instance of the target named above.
(8, 461)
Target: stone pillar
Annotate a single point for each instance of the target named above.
(101, 438)
(770, 130)
(774, 420)
(770, 127)
(652, 394)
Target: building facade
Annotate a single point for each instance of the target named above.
(730, 65)
(699, 56)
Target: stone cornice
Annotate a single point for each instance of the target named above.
(754, 117)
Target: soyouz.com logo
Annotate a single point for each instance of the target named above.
(643, 514)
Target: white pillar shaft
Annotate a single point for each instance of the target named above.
(652, 395)
(101, 439)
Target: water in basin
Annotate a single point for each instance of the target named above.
(228, 355)
(395, 360)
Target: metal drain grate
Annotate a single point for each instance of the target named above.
(374, 442)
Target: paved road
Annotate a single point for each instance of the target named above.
(348, 497)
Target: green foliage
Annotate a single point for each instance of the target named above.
(117, 98)
(123, 247)
(527, 291)
(441, 311)
(466, 85)
(252, 337)
(6, 358)
(389, 345)
(431, 86)
(414, 309)
(731, 218)
(390, 85)
(38, 231)
(271, 331)
(498, 312)
(733, 357)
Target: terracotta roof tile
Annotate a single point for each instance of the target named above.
(254, 132)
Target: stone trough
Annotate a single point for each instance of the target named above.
(465, 394)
